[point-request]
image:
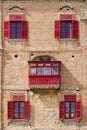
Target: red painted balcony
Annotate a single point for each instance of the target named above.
(44, 74)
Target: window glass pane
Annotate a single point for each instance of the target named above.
(21, 104)
(67, 104)
(16, 109)
(21, 109)
(63, 26)
(19, 30)
(69, 29)
(16, 115)
(67, 115)
(67, 109)
(66, 29)
(72, 109)
(72, 104)
(16, 104)
(13, 30)
(32, 70)
(63, 35)
(40, 71)
(47, 71)
(54, 70)
(44, 59)
(21, 115)
(72, 115)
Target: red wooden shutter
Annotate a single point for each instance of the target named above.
(75, 29)
(10, 110)
(24, 29)
(27, 110)
(62, 110)
(20, 97)
(57, 29)
(15, 17)
(66, 17)
(6, 29)
(78, 110)
(70, 97)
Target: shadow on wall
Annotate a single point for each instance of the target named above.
(68, 81)
(83, 122)
(46, 98)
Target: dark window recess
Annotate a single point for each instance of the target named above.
(45, 59)
(66, 29)
(70, 108)
(16, 30)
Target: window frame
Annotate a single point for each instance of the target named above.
(12, 109)
(77, 108)
(66, 30)
(19, 109)
(75, 27)
(16, 29)
(7, 27)
(70, 110)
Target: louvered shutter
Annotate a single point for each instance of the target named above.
(27, 110)
(66, 17)
(75, 29)
(70, 97)
(10, 110)
(78, 110)
(20, 97)
(62, 110)
(6, 29)
(24, 29)
(57, 29)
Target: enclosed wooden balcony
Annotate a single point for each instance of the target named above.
(44, 74)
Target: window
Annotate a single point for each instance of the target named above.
(70, 108)
(45, 59)
(18, 108)
(15, 28)
(66, 27)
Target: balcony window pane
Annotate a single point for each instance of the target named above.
(40, 71)
(32, 71)
(54, 70)
(47, 71)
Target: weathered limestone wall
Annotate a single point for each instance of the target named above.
(41, 41)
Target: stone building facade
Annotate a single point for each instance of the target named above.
(42, 40)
